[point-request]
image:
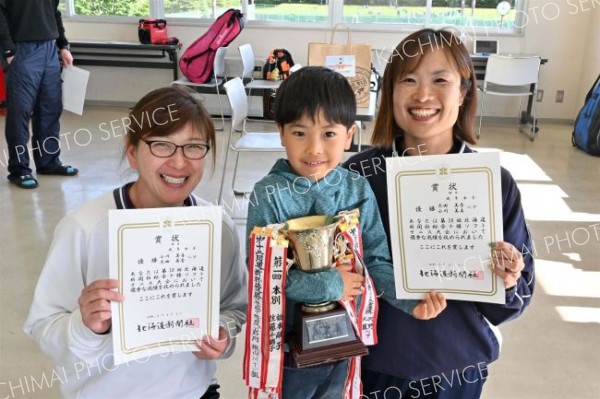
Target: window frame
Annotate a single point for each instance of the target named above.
(335, 12)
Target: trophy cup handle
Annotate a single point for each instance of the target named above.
(289, 264)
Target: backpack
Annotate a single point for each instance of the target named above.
(196, 63)
(586, 134)
(278, 65)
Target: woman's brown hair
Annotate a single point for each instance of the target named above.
(405, 59)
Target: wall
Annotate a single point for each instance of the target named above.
(561, 30)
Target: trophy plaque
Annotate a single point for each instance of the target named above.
(323, 332)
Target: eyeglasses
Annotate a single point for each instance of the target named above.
(166, 149)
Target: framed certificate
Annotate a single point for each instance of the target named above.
(168, 263)
(445, 211)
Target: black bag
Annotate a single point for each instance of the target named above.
(586, 134)
(376, 80)
(269, 97)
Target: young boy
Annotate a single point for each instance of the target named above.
(315, 113)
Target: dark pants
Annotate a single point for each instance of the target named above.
(466, 383)
(33, 94)
(212, 392)
(317, 382)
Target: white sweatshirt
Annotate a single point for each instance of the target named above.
(77, 257)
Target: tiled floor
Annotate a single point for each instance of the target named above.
(551, 352)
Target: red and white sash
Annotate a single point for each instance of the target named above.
(362, 311)
(263, 357)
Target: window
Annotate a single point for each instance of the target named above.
(121, 8)
(315, 11)
(491, 16)
(398, 12)
(202, 9)
(477, 14)
(256, 10)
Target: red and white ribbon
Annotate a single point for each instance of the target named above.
(364, 319)
(263, 357)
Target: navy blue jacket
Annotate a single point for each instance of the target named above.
(460, 336)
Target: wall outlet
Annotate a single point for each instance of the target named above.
(560, 96)
(540, 96)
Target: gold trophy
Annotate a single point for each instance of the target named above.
(323, 332)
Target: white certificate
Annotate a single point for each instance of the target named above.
(168, 263)
(445, 210)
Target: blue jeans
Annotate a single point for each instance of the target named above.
(465, 383)
(317, 382)
(33, 94)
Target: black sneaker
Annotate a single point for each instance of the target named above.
(60, 170)
(25, 181)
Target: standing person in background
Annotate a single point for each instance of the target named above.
(32, 36)
(70, 318)
(428, 106)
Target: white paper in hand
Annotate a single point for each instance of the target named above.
(73, 89)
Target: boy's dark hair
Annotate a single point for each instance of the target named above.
(313, 89)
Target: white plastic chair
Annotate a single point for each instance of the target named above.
(217, 80)
(511, 76)
(247, 55)
(254, 141)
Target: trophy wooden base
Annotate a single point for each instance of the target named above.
(326, 337)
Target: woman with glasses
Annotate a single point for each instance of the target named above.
(70, 317)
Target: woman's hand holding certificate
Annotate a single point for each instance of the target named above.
(94, 304)
(507, 262)
(212, 348)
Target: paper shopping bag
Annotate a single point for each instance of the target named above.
(351, 60)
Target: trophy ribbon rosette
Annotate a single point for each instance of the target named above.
(324, 332)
